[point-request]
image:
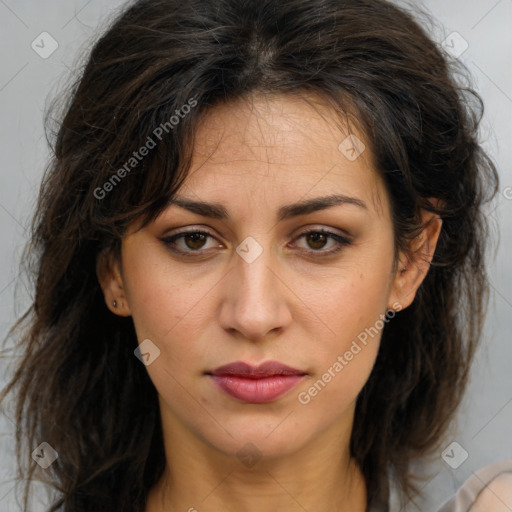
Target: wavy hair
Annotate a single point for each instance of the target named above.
(78, 385)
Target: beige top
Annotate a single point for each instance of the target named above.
(487, 490)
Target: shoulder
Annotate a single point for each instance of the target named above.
(487, 490)
(497, 496)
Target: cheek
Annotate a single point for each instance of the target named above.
(344, 364)
(161, 299)
(356, 303)
(168, 309)
(355, 314)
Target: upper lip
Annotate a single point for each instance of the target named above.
(266, 369)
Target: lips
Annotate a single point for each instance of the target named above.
(256, 384)
(266, 369)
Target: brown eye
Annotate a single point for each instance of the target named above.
(189, 242)
(318, 239)
(195, 240)
(192, 243)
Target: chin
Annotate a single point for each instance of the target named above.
(259, 440)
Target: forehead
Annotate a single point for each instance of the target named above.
(282, 146)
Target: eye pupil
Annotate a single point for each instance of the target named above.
(195, 237)
(317, 237)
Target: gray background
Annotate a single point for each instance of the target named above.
(28, 81)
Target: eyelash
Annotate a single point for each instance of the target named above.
(341, 241)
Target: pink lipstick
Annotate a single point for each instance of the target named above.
(256, 384)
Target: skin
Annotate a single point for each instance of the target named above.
(290, 304)
(496, 497)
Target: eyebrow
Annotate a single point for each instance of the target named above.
(219, 211)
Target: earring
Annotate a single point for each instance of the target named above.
(115, 303)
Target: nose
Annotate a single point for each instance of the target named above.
(256, 300)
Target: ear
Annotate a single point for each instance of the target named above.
(415, 263)
(110, 278)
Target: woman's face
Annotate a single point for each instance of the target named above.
(256, 287)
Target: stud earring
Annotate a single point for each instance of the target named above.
(115, 303)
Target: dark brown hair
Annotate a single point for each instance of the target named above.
(79, 386)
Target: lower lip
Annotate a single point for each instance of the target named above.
(256, 391)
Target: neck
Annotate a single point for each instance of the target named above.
(321, 477)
